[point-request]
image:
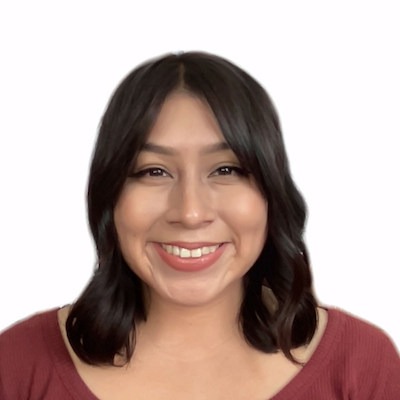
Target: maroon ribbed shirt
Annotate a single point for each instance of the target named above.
(353, 361)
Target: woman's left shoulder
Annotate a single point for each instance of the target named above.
(363, 355)
(362, 344)
(359, 333)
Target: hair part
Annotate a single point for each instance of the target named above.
(102, 321)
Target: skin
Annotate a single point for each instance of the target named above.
(192, 201)
(191, 340)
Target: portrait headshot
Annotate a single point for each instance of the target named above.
(200, 243)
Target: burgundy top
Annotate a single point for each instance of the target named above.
(354, 360)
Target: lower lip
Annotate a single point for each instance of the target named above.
(189, 264)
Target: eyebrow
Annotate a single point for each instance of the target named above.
(170, 151)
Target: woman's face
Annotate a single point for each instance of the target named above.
(189, 200)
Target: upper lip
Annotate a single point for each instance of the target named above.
(191, 245)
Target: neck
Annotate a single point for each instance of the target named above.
(193, 332)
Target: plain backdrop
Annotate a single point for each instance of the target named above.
(332, 69)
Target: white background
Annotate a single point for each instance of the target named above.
(332, 68)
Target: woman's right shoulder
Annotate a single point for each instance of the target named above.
(24, 352)
(26, 330)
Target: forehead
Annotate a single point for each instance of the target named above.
(185, 121)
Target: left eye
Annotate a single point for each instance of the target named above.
(228, 170)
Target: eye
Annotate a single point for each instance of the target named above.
(230, 170)
(150, 172)
(156, 172)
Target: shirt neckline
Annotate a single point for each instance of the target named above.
(295, 387)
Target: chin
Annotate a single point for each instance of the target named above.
(190, 297)
(195, 295)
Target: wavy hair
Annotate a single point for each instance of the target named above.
(101, 322)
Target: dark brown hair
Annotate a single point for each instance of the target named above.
(101, 323)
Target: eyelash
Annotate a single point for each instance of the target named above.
(239, 171)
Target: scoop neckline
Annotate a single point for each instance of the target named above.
(295, 387)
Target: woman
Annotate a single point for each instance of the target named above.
(203, 287)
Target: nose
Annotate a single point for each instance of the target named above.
(191, 204)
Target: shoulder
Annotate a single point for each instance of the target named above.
(24, 353)
(25, 333)
(358, 335)
(364, 355)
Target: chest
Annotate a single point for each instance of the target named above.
(160, 380)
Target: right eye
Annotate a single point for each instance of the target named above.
(150, 172)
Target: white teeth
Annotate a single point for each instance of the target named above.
(185, 253)
(196, 253)
(213, 248)
(205, 250)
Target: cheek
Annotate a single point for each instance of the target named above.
(134, 216)
(136, 211)
(247, 213)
